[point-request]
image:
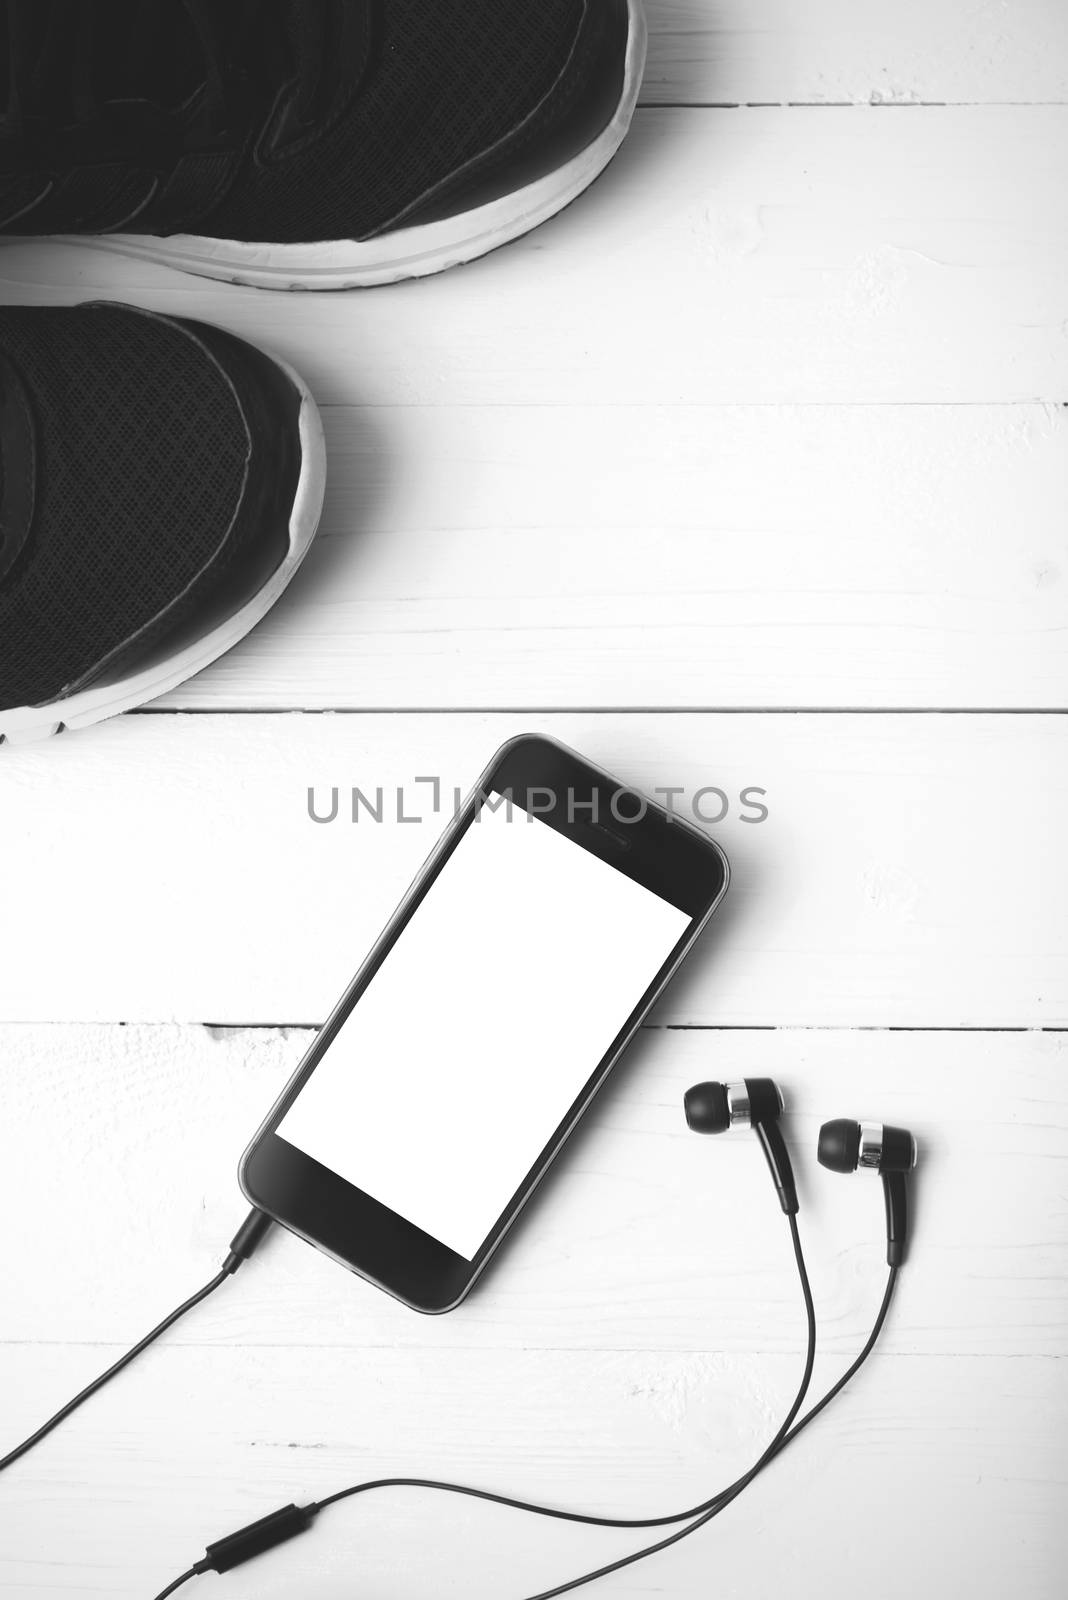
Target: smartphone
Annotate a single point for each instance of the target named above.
(509, 981)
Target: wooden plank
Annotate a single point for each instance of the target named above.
(119, 1147)
(766, 256)
(197, 1443)
(686, 556)
(908, 872)
(834, 51)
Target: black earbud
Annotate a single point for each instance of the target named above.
(845, 1146)
(754, 1103)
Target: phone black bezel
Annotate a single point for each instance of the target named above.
(641, 839)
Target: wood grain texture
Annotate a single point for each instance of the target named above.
(772, 418)
(593, 1366)
(674, 555)
(727, 257)
(965, 1452)
(119, 1148)
(909, 872)
(834, 51)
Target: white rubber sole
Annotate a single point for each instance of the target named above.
(410, 252)
(27, 724)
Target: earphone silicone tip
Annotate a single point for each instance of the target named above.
(707, 1109)
(839, 1145)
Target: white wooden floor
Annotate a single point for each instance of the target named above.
(750, 471)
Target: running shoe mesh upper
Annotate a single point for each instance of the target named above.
(141, 458)
(447, 80)
(434, 84)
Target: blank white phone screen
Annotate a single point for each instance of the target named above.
(498, 1000)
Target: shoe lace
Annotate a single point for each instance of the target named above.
(243, 51)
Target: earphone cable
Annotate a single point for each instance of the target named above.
(713, 1507)
(782, 1438)
(243, 1244)
(281, 1525)
(105, 1377)
(172, 1588)
(294, 1519)
(533, 1507)
(589, 1519)
(854, 1368)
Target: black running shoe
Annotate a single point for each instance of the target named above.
(160, 483)
(319, 144)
